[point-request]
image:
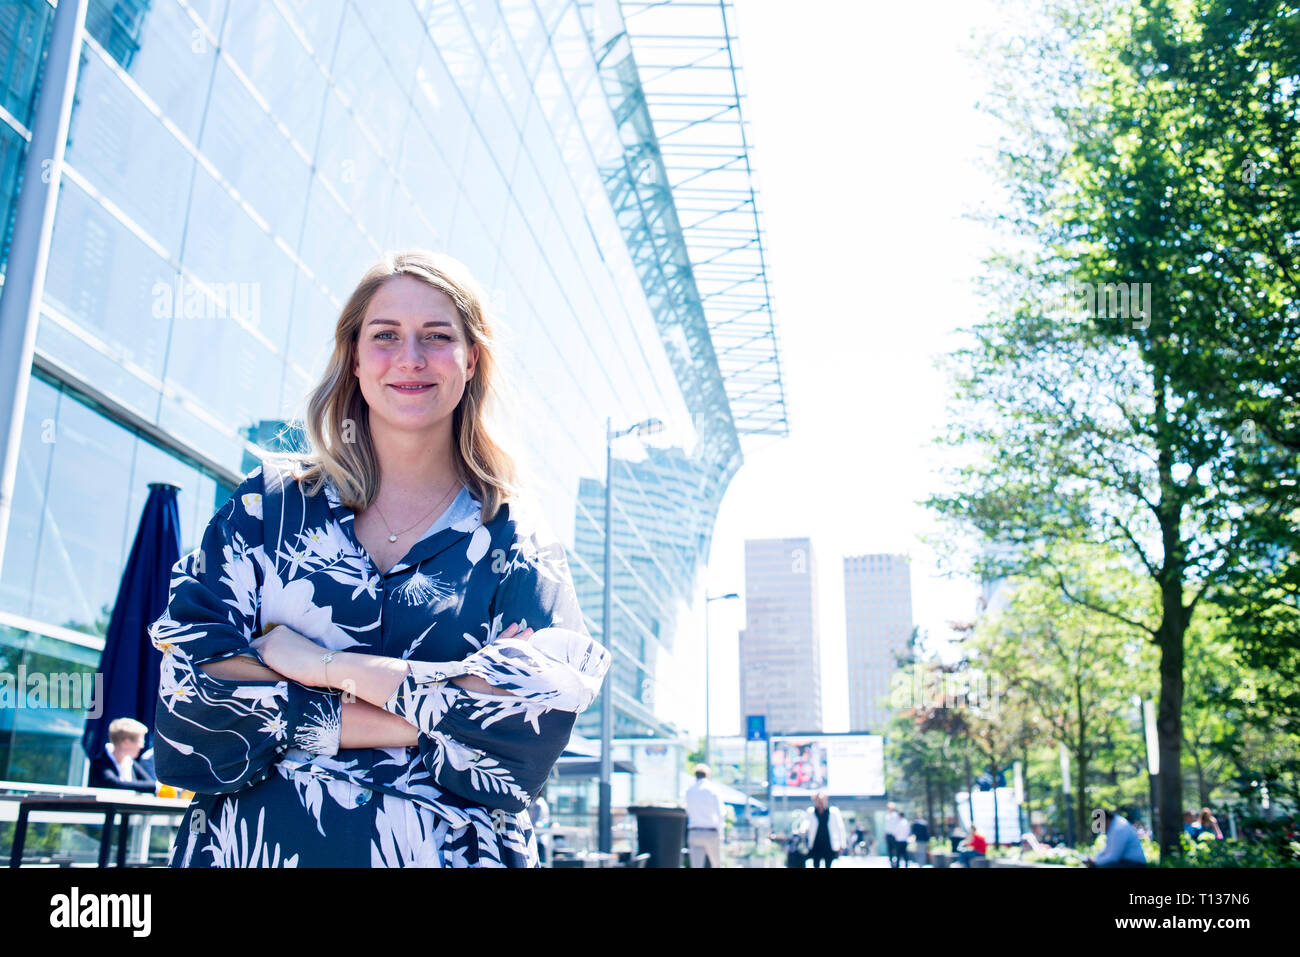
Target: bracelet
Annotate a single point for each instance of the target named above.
(327, 658)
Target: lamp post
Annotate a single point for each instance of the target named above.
(707, 726)
(606, 816)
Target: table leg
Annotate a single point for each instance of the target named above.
(106, 837)
(20, 838)
(123, 829)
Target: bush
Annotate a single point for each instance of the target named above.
(1235, 853)
(1054, 855)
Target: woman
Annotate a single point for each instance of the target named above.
(344, 683)
(1209, 827)
(826, 835)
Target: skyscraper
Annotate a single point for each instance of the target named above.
(878, 624)
(780, 646)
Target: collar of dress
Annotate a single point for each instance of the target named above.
(425, 548)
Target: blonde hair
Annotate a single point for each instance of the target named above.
(124, 728)
(349, 462)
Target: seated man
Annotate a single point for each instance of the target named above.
(1123, 848)
(121, 766)
(974, 846)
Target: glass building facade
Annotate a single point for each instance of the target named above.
(232, 168)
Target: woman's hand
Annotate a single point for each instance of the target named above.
(296, 657)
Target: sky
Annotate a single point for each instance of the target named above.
(867, 143)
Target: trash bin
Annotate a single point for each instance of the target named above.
(661, 833)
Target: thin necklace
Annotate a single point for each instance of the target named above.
(392, 536)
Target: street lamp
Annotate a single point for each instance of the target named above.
(606, 821)
(707, 727)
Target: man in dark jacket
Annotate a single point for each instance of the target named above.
(921, 833)
(121, 765)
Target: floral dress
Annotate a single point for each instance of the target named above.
(273, 788)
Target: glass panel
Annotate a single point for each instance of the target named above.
(211, 12)
(23, 27)
(403, 35)
(34, 455)
(13, 149)
(125, 152)
(311, 342)
(271, 55)
(106, 280)
(356, 172)
(441, 109)
(248, 273)
(332, 246)
(78, 564)
(362, 75)
(317, 19)
(252, 154)
(172, 63)
(484, 186)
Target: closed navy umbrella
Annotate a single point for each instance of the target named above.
(130, 663)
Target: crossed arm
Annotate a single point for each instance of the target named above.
(371, 678)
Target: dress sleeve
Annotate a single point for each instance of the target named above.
(215, 735)
(498, 750)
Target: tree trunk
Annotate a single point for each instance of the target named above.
(1169, 731)
(929, 802)
(1082, 813)
(1169, 637)
(997, 833)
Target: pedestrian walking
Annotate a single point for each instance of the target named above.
(897, 825)
(705, 815)
(826, 834)
(921, 832)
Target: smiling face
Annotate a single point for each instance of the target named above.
(413, 357)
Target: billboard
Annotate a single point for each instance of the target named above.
(845, 765)
(981, 802)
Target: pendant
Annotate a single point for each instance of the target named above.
(392, 538)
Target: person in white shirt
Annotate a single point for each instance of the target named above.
(705, 814)
(898, 831)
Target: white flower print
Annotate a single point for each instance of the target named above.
(171, 687)
(292, 605)
(326, 542)
(485, 773)
(406, 837)
(262, 696)
(320, 735)
(478, 544)
(276, 726)
(252, 503)
(233, 849)
(240, 575)
(420, 589)
(315, 779)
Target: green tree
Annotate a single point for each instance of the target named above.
(1072, 668)
(1092, 423)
